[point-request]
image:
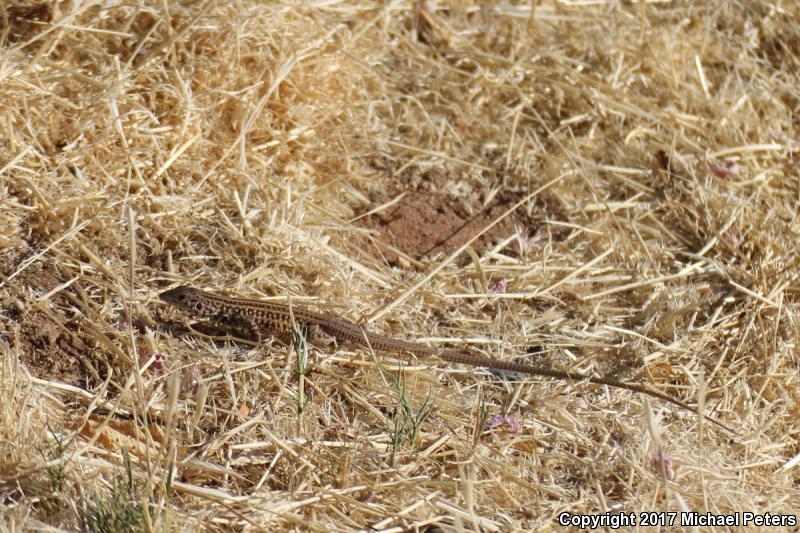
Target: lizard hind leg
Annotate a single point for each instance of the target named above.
(321, 338)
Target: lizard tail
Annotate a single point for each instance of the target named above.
(511, 366)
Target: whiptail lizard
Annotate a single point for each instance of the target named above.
(279, 319)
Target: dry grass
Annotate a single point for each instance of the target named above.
(230, 145)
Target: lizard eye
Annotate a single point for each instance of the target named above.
(198, 306)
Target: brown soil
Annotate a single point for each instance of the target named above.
(49, 342)
(436, 214)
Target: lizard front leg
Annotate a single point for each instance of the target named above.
(248, 328)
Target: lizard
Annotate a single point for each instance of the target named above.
(281, 319)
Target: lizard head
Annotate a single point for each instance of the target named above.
(185, 298)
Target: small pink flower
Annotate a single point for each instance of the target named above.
(663, 463)
(499, 286)
(499, 420)
(730, 169)
(156, 366)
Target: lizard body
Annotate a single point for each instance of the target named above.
(280, 319)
